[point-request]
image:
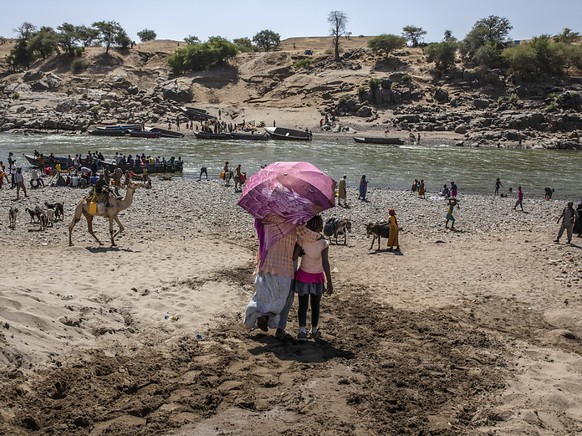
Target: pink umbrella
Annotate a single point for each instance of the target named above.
(296, 191)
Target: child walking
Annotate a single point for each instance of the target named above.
(311, 277)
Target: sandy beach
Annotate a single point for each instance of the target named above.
(473, 331)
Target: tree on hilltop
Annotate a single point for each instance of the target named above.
(244, 44)
(199, 56)
(21, 55)
(385, 43)
(443, 54)
(44, 42)
(567, 36)
(338, 21)
(192, 40)
(413, 34)
(87, 35)
(67, 37)
(266, 40)
(485, 41)
(110, 32)
(146, 35)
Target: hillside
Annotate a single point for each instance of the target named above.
(135, 85)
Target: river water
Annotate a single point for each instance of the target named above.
(386, 166)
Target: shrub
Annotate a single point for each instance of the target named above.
(303, 63)
(79, 65)
(15, 95)
(362, 90)
(95, 109)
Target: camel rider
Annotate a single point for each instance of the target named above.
(101, 191)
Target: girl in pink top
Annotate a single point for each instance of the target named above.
(311, 277)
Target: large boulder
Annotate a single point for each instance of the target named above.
(177, 92)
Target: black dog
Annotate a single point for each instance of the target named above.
(33, 215)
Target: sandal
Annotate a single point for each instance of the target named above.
(302, 337)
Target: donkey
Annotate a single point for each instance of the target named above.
(377, 230)
(337, 227)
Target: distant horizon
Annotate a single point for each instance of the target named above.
(172, 20)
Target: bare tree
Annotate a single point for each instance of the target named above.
(338, 21)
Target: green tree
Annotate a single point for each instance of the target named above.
(21, 55)
(199, 56)
(146, 35)
(109, 33)
(222, 49)
(567, 36)
(244, 44)
(385, 43)
(266, 40)
(449, 37)
(44, 42)
(492, 32)
(87, 35)
(122, 39)
(542, 55)
(443, 54)
(67, 37)
(413, 34)
(338, 21)
(192, 40)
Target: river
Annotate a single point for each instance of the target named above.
(386, 166)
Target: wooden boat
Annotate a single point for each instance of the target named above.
(171, 167)
(165, 133)
(378, 140)
(48, 162)
(125, 127)
(288, 134)
(144, 134)
(210, 135)
(104, 131)
(234, 136)
(197, 114)
(238, 136)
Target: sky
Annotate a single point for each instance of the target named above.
(177, 19)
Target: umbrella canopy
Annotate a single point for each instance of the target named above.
(295, 191)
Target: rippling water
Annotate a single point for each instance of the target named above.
(473, 169)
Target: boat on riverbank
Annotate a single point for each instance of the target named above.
(144, 134)
(378, 140)
(48, 162)
(284, 134)
(175, 166)
(105, 131)
(165, 133)
(235, 136)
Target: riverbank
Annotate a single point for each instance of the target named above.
(468, 331)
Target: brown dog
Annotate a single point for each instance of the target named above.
(12, 217)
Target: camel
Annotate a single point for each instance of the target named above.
(111, 213)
